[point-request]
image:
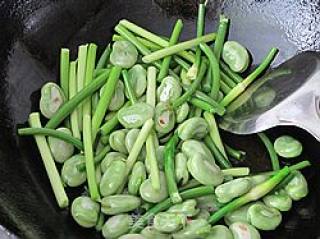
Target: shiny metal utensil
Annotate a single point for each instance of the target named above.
(287, 95)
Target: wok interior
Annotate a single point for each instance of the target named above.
(33, 41)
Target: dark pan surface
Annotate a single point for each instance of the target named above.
(33, 31)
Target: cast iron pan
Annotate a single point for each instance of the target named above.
(33, 31)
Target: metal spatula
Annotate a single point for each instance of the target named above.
(288, 95)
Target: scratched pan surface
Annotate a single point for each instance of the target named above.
(33, 31)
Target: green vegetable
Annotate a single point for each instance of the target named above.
(171, 50)
(64, 71)
(188, 208)
(115, 204)
(87, 130)
(48, 161)
(181, 169)
(164, 118)
(279, 200)
(123, 54)
(60, 149)
(221, 160)
(193, 128)
(236, 56)
(53, 133)
(117, 99)
(103, 58)
(241, 87)
(85, 211)
(194, 229)
(253, 195)
(239, 215)
(52, 98)
(138, 80)
(232, 189)
(130, 138)
(242, 230)
(263, 217)
(132, 236)
(112, 178)
(297, 188)
(169, 89)
(136, 115)
(105, 99)
(288, 147)
(169, 222)
(273, 156)
(151, 233)
(70, 173)
(109, 158)
(182, 112)
(149, 194)
(204, 171)
(187, 194)
(189, 147)
(117, 141)
(220, 232)
(70, 105)
(137, 177)
(203, 214)
(221, 35)
(117, 226)
(209, 203)
(173, 40)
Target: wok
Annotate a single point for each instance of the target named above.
(33, 31)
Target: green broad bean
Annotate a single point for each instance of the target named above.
(121, 203)
(258, 179)
(117, 226)
(238, 215)
(188, 208)
(138, 79)
(208, 203)
(297, 188)
(181, 169)
(204, 171)
(287, 147)
(164, 118)
(220, 232)
(123, 54)
(182, 112)
(109, 158)
(51, 100)
(150, 232)
(137, 177)
(169, 90)
(117, 141)
(117, 100)
(85, 211)
(232, 189)
(70, 174)
(193, 128)
(192, 72)
(136, 115)
(242, 230)
(236, 56)
(132, 236)
(169, 222)
(130, 138)
(263, 217)
(194, 229)
(203, 214)
(149, 194)
(189, 147)
(279, 200)
(112, 178)
(61, 150)
(264, 97)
